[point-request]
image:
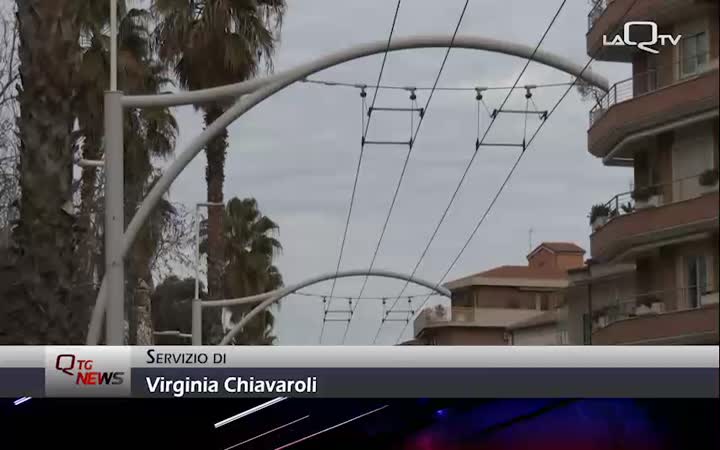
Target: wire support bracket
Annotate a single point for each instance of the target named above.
(543, 114)
(479, 144)
(405, 311)
(420, 111)
(369, 142)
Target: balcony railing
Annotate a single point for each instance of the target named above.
(649, 81)
(654, 303)
(661, 194)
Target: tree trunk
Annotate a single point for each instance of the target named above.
(143, 313)
(134, 182)
(88, 210)
(49, 55)
(215, 177)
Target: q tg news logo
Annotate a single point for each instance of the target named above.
(82, 370)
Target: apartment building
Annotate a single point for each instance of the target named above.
(506, 304)
(548, 328)
(660, 241)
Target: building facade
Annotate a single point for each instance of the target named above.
(662, 122)
(486, 306)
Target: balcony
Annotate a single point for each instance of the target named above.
(688, 315)
(650, 101)
(655, 214)
(472, 317)
(607, 17)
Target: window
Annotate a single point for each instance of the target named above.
(463, 299)
(542, 302)
(693, 53)
(563, 338)
(587, 329)
(545, 302)
(651, 81)
(696, 273)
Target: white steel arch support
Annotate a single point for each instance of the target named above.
(269, 298)
(361, 51)
(261, 89)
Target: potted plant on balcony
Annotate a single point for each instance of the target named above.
(627, 208)
(648, 304)
(709, 178)
(601, 317)
(646, 196)
(599, 215)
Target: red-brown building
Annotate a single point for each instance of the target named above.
(662, 122)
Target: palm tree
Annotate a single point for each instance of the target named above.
(250, 248)
(49, 57)
(63, 81)
(211, 43)
(149, 134)
(141, 281)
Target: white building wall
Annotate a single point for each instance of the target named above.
(543, 335)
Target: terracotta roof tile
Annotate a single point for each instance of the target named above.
(566, 247)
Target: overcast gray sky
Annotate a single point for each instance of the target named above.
(296, 153)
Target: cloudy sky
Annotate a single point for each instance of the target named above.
(296, 153)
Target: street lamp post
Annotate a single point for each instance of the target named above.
(197, 303)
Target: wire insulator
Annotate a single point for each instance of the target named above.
(413, 97)
(478, 95)
(363, 93)
(528, 93)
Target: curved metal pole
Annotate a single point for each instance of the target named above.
(273, 84)
(413, 42)
(275, 296)
(279, 294)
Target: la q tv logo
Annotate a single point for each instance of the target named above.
(646, 45)
(83, 372)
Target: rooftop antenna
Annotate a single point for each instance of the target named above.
(530, 232)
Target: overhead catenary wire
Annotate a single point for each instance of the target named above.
(330, 83)
(478, 143)
(512, 171)
(417, 132)
(359, 164)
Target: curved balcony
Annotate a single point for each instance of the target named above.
(465, 317)
(650, 101)
(655, 214)
(607, 17)
(688, 315)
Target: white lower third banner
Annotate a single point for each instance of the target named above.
(360, 372)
